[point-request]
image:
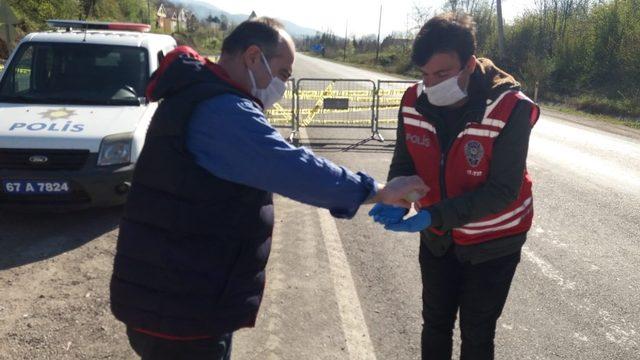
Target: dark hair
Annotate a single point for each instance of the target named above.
(450, 32)
(262, 32)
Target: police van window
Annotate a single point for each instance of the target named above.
(18, 77)
(76, 74)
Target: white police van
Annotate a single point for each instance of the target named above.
(73, 115)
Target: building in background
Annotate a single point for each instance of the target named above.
(175, 19)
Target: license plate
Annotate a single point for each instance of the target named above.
(28, 187)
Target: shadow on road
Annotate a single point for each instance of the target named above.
(31, 237)
(328, 145)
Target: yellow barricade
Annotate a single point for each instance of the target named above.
(23, 71)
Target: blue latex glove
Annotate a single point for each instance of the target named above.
(416, 223)
(387, 214)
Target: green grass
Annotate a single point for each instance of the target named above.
(616, 120)
(620, 111)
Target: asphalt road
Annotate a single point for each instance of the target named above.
(341, 289)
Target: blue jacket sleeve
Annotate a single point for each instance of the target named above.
(231, 138)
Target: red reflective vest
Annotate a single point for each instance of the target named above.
(466, 165)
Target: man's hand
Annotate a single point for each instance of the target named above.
(416, 223)
(401, 191)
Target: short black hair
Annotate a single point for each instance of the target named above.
(450, 32)
(263, 32)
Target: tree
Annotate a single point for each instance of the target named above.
(34, 13)
(87, 7)
(421, 15)
(224, 23)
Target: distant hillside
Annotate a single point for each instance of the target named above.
(202, 9)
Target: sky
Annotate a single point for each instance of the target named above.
(357, 17)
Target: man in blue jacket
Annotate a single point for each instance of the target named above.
(196, 233)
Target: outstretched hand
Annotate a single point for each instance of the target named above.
(401, 191)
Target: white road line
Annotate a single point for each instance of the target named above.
(616, 329)
(354, 327)
(548, 270)
(275, 285)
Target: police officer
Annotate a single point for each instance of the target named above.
(465, 131)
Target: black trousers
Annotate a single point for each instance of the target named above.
(478, 291)
(154, 348)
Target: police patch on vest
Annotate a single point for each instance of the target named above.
(418, 140)
(474, 152)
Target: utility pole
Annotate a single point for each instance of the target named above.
(406, 36)
(149, 11)
(346, 32)
(500, 31)
(379, 27)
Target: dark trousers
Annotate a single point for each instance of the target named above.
(155, 348)
(478, 291)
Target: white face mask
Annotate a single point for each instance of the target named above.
(273, 92)
(446, 93)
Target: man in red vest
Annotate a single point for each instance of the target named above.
(465, 131)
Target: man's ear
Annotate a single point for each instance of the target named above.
(471, 64)
(251, 56)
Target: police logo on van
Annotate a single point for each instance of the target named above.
(57, 114)
(474, 152)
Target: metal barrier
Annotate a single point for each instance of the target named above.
(388, 97)
(282, 114)
(335, 103)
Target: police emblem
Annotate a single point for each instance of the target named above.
(474, 152)
(57, 114)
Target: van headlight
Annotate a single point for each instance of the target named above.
(115, 150)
